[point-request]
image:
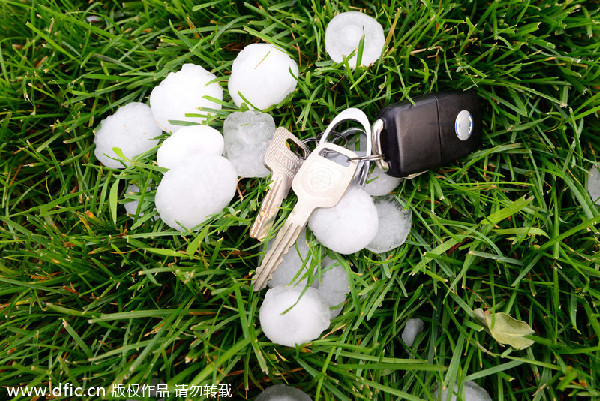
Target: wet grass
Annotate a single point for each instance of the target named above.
(91, 297)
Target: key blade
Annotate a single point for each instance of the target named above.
(283, 243)
(278, 190)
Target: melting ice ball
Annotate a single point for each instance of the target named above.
(472, 393)
(195, 189)
(281, 392)
(296, 260)
(411, 330)
(594, 184)
(131, 207)
(379, 183)
(263, 74)
(349, 226)
(334, 286)
(305, 321)
(343, 35)
(132, 129)
(247, 136)
(189, 141)
(394, 225)
(185, 91)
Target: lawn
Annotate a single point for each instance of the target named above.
(92, 297)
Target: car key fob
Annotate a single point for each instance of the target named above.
(437, 129)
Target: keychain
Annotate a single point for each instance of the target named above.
(408, 139)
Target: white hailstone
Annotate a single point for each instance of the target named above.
(292, 262)
(131, 207)
(348, 226)
(594, 184)
(195, 189)
(132, 129)
(189, 141)
(394, 225)
(472, 393)
(308, 318)
(263, 74)
(379, 183)
(411, 330)
(93, 18)
(343, 35)
(334, 286)
(182, 92)
(246, 137)
(281, 392)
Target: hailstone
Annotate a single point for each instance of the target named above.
(379, 183)
(305, 321)
(132, 129)
(394, 225)
(348, 226)
(334, 286)
(247, 136)
(185, 92)
(263, 74)
(412, 328)
(195, 189)
(189, 141)
(293, 261)
(472, 392)
(131, 207)
(343, 35)
(281, 392)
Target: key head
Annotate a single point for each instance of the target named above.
(279, 158)
(322, 182)
(436, 130)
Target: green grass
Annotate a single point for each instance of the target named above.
(92, 297)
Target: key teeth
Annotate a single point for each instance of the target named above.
(283, 243)
(260, 231)
(266, 214)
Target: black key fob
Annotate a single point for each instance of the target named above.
(437, 129)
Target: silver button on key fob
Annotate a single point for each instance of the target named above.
(436, 130)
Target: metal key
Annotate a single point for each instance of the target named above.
(284, 164)
(320, 182)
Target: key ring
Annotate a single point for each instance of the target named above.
(353, 131)
(375, 138)
(354, 114)
(369, 158)
(336, 134)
